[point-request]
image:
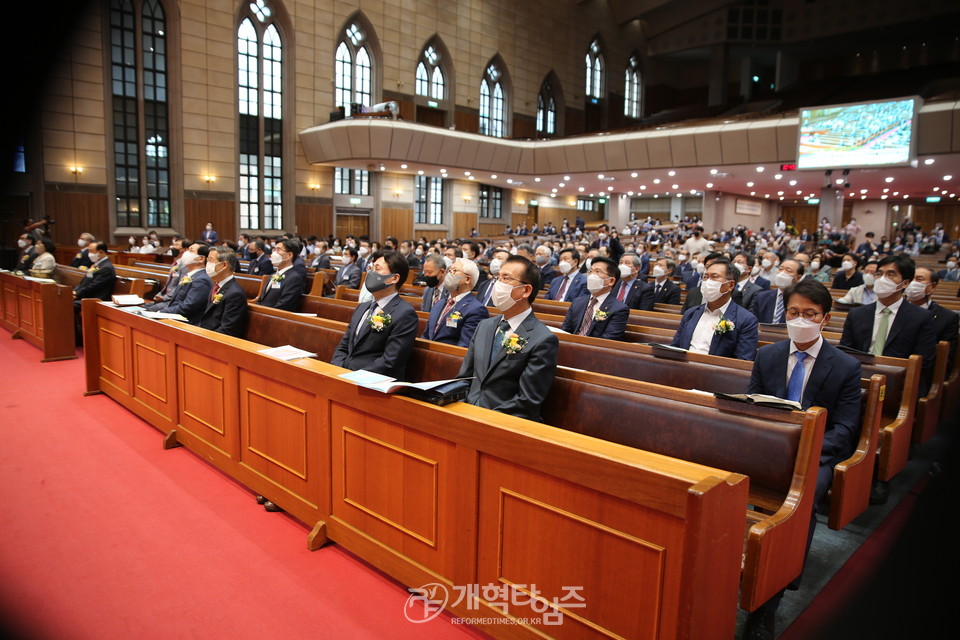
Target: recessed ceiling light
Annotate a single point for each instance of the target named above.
(599, 176)
(581, 189)
(753, 193)
(884, 197)
(759, 169)
(713, 172)
(676, 186)
(536, 179)
(420, 172)
(948, 177)
(709, 185)
(888, 179)
(629, 193)
(509, 180)
(633, 175)
(793, 183)
(656, 181)
(567, 178)
(839, 180)
(928, 161)
(671, 173)
(563, 184)
(749, 184)
(466, 173)
(493, 176)
(777, 176)
(609, 188)
(643, 186)
(403, 166)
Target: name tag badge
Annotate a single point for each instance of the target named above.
(452, 322)
(275, 285)
(89, 274)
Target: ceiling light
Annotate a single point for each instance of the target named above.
(888, 179)
(466, 173)
(536, 179)
(777, 176)
(580, 189)
(928, 161)
(839, 180)
(676, 186)
(863, 190)
(599, 176)
(567, 178)
(749, 184)
(633, 175)
(759, 169)
(629, 193)
(713, 172)
(753, 193)
(671, 173)
(656, 181)
(563, 184)
(947, 177)
(403, 166)
(793, 183)
(509, 180)
(643, 186)
(609, 188)
(709, 185)
(420, 172)
(493, 176)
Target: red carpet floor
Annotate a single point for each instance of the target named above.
(106, 535)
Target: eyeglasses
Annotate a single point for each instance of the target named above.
(508, 280)
(793, 313)
(716, 277)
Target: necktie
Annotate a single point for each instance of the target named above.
(436, 296)
(795, 384)
(213, 292)
(778, 312)
(373, 312)
(443, 314)
(563, 288)
(587, 318)
(502, 329)
(656, 292)
(623, 291)
(881, 340)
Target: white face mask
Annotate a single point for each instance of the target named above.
(495, 265)
(740, 267)
(81, 243)
(594, 283)
(211, 269)
(587, 263)
(783, 280)
(419, 252)
(452, 281)
(815, 266)
(916, 291)
(951, 265)
(448, 261)
(694, 264)
(564, 267)
(847, 265)
(363, 251)
(601, 236)
(884, 286)
(625, 271)
(802, 331)
(22, 243)
(276, 259)
(501, 296)
(710, 290)
(659, 272)
(869, 279)
(755, 270)
(701, 268)
(94, 258)
(766, 264)
(188, 258)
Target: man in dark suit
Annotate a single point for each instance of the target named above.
(284, 289)
(597, 313)
(695, 297)
(512, 358)
(542, 256)
(471, 251)
(632, 290)
(748, 289)
(210, 236)
(433, 273)
(97, 282)
(382, 332)
(321, 256)
(456, 320)
(260, 264)
(570, 284)
(809, 370)
(26, 244)
(192, 294)
(665, 290)
(891, 326)
(82, 259)
(946, 322)
(226, 310)
(770, 306)
(604, 239)
(349, 274)
(719, 327)
(485, 290)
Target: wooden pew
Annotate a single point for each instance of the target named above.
(40, 313)
(449, 495)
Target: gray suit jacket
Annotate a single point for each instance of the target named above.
(516, 383)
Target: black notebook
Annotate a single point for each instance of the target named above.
(762, 400)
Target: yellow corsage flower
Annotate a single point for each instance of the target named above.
(379, 321)
(276, 277)
(217, 298)
(455, 316)
(186, 280)
(600, 315)
(513, 343)
(723, 326)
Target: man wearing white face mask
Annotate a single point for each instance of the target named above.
(226, 310)
(946, 322)
(512, 357)
(695, 295)
(863, 294)
(665, 291)
(809, 370)
(284, 289)
(769, 306)
(485, 290)
(82, 259)
(193, 292)
(598, 314)
(720, 327)
(769, 265)
(631, 290)
(542, 256)
(455, 321)
(951, 273)
(570, 284)
(744, 263)
(847, 276)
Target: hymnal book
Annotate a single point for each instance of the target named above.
(762, 400)
(159, 315)
(557, 330)
(43, 280)
(127, 300)
(439, 392)
(287, 352)
(667, 351)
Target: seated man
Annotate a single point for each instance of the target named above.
(809, 370)
(597, 313)
(946, 322)
(512, 357)
(455, 321)
(542, 256)
(227, 309)
(260, 264)
(744, 262)
(769, 306)
(570, 284)
(190, 297)
(847, 275)
(863, 293)
(694, 296)
(720, 327)
(433, 273)
(350, 273)
(382, 332)
(98, 282)
(82, 259)
(180, 246)
(26, 244)
(665, 290)
(632, 290)
(284, 289)
(485, 290)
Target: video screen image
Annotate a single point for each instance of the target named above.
(856, 135)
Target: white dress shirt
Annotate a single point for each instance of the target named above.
(705, 329)
(812, 353)
(878, 316)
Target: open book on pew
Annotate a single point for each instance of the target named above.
(43, 280)
(287, 352)
(761, 400)
(440, 392)
(159, 315)
(129, 300)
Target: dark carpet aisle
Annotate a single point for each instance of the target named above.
(106, 535)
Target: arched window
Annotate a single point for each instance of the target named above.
(546, 110)
(631, 89)
(430, 80)
(260, 74)
(140, 107)
(353, 69)
(594, 69)
(492, 99)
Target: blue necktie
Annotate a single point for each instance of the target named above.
(778, 312)
(502, 329)
(795, 384)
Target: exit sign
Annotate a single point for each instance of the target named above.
(788, 167)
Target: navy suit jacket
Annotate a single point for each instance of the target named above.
(946, 324)
(669, 294)
(471, 310)
(739, 343)
(576, 288)
(99, 283)
(289, 295)
(763, 283)
(261, 266)
(764, 304)
(349, 276)
(229, 316)
(191, 298)
(513, 383)
(834, 384)
(748, 293)
(640, 295)
(210, 237)
(81, 259)
(427, 303)
(386, 351)
(912, 331)
(612, 328)
(547, 275)
(484, 291)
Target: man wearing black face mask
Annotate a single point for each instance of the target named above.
(433, 272)
(382, 332)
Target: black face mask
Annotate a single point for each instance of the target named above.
(431, 281)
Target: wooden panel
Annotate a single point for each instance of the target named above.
(357, 225)
(77, 213)
(197, 213)
(114, 354)
(208, 400)
(154, 382)
(468, 121)
(314, 219)
(463, 222)
(488, 229)
(25, 310)
(801, 216)
(396, 222)
(584, 540)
